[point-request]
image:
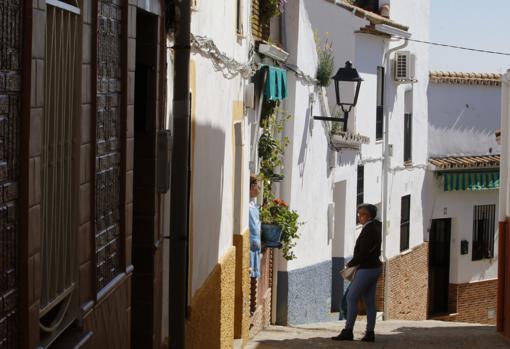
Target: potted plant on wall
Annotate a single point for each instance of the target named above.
(279, 223)
(280, 226)
(326, 60)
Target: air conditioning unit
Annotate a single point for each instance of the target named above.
(403, 68)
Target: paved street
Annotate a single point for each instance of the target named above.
(389, 334)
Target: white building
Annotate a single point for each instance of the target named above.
(462, 195)
(503, 303)
(217, 286)
(316, 175)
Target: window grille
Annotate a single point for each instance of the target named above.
(483, 231)
(379, 120)
(10, 85)
(108, 142)
(408, 126)
(58, 178)
(405, 214)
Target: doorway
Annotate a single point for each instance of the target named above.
(439, 266)
(146, 254)
(338, 245)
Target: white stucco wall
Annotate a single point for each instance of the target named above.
(212, 185)
(448, 101)
(310, 184)
(307, 185)
(408, 180)
(459, 205)
(504, 196)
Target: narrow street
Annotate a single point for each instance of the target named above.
(389, 334)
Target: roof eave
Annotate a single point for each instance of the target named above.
(463, 169)
(373, 18)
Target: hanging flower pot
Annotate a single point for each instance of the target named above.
(271, 234)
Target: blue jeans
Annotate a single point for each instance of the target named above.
(363, 285)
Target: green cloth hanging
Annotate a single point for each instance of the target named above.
(276, 84)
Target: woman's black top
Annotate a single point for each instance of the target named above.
(368, 247)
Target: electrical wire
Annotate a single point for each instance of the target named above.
(454, 46)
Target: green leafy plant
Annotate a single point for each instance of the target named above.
(272, 8)
(271, 151)
(326, 63)
(271, 145)
(277, 211)
(337, 126)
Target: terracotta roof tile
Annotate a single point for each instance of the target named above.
(465, 162)
(459, 78)
(372, 17)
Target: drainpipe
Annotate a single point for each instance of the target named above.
(180, 187)
(384, 175)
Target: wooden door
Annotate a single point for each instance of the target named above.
(146, 252)
(439, 265)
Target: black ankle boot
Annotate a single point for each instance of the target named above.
(369, 337)
(345, 335)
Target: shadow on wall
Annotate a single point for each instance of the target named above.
(428, 202)
(208, 159)
(469, 337)
(305, 139)
(346, 157)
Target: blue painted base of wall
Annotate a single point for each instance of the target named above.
(304, 295)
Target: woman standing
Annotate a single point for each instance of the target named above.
(254, 217)
(366, 256)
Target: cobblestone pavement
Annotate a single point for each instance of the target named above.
(389, 334)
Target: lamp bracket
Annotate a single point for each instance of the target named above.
(328, 118)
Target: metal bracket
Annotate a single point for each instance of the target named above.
(327, 118)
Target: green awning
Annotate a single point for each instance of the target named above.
(471, 180)
(276, 84)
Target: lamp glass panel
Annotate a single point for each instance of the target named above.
(347, 92)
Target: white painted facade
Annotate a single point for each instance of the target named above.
(504, 169)
(467, 106)
(459, 130)
(459, 206)
(216, 96)
(310, 183)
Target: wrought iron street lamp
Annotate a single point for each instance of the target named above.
(346, 80)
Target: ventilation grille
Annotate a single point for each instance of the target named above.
(404, 66)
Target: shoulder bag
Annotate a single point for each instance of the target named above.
(349, 272)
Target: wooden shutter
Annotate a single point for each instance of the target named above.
(259, 24)
(58, 161)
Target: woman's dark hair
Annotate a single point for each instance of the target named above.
(253, 180)
(369, 208)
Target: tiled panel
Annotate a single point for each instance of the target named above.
(10, 85)
(108, 141)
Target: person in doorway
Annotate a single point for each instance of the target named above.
(254, 217)
(366, 257)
